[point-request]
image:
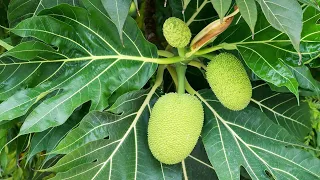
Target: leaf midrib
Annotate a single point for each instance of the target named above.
(87, 84)
(94, 58)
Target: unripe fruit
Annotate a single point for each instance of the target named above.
(176, 32)
(174, 127)
(229, 81)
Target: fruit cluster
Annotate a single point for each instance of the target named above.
(176, 120)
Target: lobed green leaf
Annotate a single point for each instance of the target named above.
(81, 56)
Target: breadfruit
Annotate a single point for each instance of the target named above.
(176, 32)
(174, 127)
(229, 81)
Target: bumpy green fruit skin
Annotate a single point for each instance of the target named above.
(174, 127)
(229, 81)
(176, 32)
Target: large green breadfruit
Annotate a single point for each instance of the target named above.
(176, 32)
(229, 81)
(174, 127)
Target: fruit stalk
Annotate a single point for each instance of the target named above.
(181, 71)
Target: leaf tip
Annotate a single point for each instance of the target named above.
(300, 58)
(298, 98)
(252, 35)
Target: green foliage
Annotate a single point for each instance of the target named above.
(80, 81)
(58, 69)
(248, 9)
(174, 127)
(229, 81)
(118, 12)
(221, 6)
(283, 109)
(248, 138)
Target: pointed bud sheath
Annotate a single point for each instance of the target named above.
(211, 31)
(176, 32)
(174, 127)
(229, 81)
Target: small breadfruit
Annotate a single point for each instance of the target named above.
(176, 32)
(229, 81)
(174, 127)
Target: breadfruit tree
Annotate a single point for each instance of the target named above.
(167, 89)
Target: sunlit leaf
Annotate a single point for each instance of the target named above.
(248, 10)
(286, 16)
(49, 139)
(284, 110)
(122, 150)
(118, 12)
(89, 54)
(248, 138)
(21, 9)
(306, 80)
(107, 144)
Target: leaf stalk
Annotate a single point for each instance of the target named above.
(5, 45)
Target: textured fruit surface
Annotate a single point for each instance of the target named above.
(174, 127)
(176, 32)
(229, 81)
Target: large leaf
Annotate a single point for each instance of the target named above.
(22, 9)
(283, 109)
(86, 63)
(221, 6)
(114, 144)
(308, 85)
(98, 125)
(248, 138)
(270, 52)
(286, 16)
(49, 139)
(248, 9)
(118, 12)
(306, 80)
